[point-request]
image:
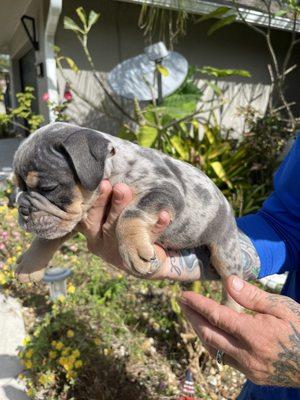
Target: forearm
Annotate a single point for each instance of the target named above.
(194, 264)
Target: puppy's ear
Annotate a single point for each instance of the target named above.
(87, 151)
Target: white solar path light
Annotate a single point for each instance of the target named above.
(56, 278)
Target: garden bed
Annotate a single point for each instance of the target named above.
(112, 337)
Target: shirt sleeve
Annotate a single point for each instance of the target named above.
(275, 229)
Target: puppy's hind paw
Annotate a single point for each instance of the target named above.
(139, 262)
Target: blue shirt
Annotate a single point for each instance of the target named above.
(275, 233)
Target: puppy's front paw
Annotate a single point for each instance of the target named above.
(140, 257)
(28, 271)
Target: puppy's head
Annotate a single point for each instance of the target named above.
(58, 170)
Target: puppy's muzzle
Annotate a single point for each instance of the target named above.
(38, 215)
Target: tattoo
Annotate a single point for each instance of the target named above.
(186, 264)
(250, 258)
(287, 366)
(289, 303)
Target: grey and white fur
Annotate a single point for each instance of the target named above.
(67, 159)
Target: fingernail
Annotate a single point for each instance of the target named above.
(237, 284)
(118, 195)
(181, 300)
(101, 189)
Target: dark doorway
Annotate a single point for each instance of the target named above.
(28, 76)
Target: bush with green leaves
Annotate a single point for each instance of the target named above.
(22, 115)
(173, 127)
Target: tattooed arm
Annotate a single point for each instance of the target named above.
(265, 346)
(194, 264)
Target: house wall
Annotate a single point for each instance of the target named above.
(117, 37)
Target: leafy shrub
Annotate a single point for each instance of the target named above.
(22, 115)
(173, 129)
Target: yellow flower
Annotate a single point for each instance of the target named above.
(30, 392)
(97, 342)
(71, 375)
(21, 376)
(52, 354)
(71, 289)
(76, 353)
(26, 341)
(53, 343)
(66, 351)
(28, 364)
(66, 363)
(3, 278)
(43, 379)
(59, 345)
(70, 333)
(78, 364)
(11, 260)
(61, 298)
(55, 308)
(28, 353)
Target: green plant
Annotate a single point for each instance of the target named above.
(266, 136)
(55, 352)
(173, 127)
(22, 115)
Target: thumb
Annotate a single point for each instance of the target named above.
(253, 298)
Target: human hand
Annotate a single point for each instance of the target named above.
(264, 346)
(99, 230)
(99, 226)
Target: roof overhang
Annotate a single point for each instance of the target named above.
(205, 7)
(10, 16)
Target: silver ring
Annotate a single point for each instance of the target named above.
(219, 356)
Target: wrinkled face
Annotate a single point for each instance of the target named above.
(50, 201)
(52, 198)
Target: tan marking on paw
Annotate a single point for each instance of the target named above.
(135, 245)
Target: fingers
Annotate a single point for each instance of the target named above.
(122, 196)
(217, 315)
(91, 226)
(209, 334)
(253, 298)
(227, 359)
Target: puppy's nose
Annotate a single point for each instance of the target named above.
(24, 213)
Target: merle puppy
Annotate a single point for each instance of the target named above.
(58, 170)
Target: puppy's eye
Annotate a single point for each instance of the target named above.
(49, 188)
